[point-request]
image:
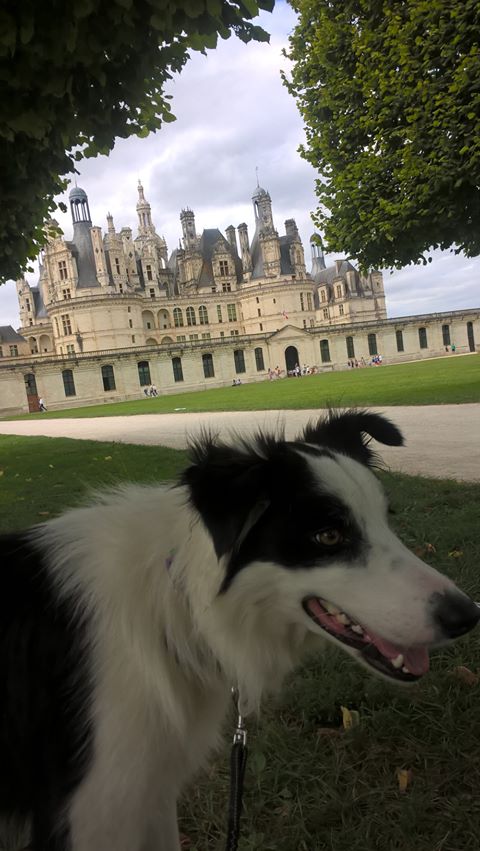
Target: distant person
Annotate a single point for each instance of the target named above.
(153, 390)
(454, 348)
(41, 405)
(146, 392)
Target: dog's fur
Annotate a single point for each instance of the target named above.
(123, 625)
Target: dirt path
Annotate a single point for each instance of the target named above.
(441, 440)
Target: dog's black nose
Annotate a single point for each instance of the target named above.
(454, 613)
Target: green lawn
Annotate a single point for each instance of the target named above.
(433, 382)
(310, 785)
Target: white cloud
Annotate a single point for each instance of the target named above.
(234, 114)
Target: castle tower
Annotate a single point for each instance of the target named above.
(187, 218)
(231, 237)
(318, 260)
(262, 207)
(79, 207)
(144, 213)
(245, 249)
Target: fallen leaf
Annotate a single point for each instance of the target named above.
(404, 778)
(455, 553)
(350, 718)
(28, 480)
(107, 458)
(51, 466)
(465, 675)
(1, 472)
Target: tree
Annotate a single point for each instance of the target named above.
(390, 94)
(74, 76)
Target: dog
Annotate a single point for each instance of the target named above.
(124, 624)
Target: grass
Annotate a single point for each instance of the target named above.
(452, 380)
(311, 785)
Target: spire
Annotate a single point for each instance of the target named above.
(144, 212)
(110, 225)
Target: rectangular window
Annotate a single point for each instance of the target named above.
(325, 351)
(232, 312)
(13, 351)
(129, 309)
(224, 268)
(149, 274)
(130, 324)
(350, 347)
(108, 377)
(372, 344)
(177, 369)
(120, 288)
(66, 324)
(258, 300)
(339, 290)
(62, 268)
(239, 358)
(117, 265)
(340, 309)
(27, 302)
(325, 312)
(399, 337)
(193, 336)
(152, 292)
(259, 361)
(259, 311)
(226, 287)
(133, 338)
(70, 348)
(323, 295)
(446, 335)
(260, 327)
(208, 369)
(309, 301)
(67, 294)
(304, 323)
(302, 305)
(234, 333)
(206, 336)
(222, 333)
(68, 382)
(144, 376)
(181, 338)
(312, 323)
(422, 338)
(219, 312)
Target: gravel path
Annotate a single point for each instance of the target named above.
(441, 440)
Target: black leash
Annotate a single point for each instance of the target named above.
(238, 761)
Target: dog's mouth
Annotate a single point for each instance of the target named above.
(404, 664)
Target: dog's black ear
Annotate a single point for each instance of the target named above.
(346, 432)
(228, 489)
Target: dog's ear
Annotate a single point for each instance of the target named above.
(228, 489)
(347, 433)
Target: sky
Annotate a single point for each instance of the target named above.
(233, 116)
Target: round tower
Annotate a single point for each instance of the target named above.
(79, 206)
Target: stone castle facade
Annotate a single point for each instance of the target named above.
(114, 313)
(99, 292)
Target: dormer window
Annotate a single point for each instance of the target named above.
(339, 290)
(224, 271)
(62, 268)
(117, 265)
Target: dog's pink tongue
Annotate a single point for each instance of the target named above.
(416, 659)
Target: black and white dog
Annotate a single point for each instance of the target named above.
(123, 625)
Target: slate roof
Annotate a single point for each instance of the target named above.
(9, 335)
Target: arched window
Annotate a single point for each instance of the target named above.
(68, 382)
(446, 335)
(202, 315)
(144, 373)
(108, 377)
(191, 318)
(399, 336)
(259, 362)
(177, 317)
(350, 347)
(422, 338)
(177, 369)
(239, 358)
(208, 369)
(372, 344)
(325, 351)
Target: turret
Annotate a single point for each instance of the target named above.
(187, 218)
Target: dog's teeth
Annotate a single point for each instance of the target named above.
(341, 618)
(331, 609)
(357, 628)
(398, 661)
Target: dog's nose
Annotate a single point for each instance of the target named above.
(455, 613)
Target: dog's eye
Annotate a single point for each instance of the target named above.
(329, 537)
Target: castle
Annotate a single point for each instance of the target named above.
(114, 313)
(117, 291)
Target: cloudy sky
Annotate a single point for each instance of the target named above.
(233, 115)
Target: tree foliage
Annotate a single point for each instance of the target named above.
(390, 94)
(74, 76)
